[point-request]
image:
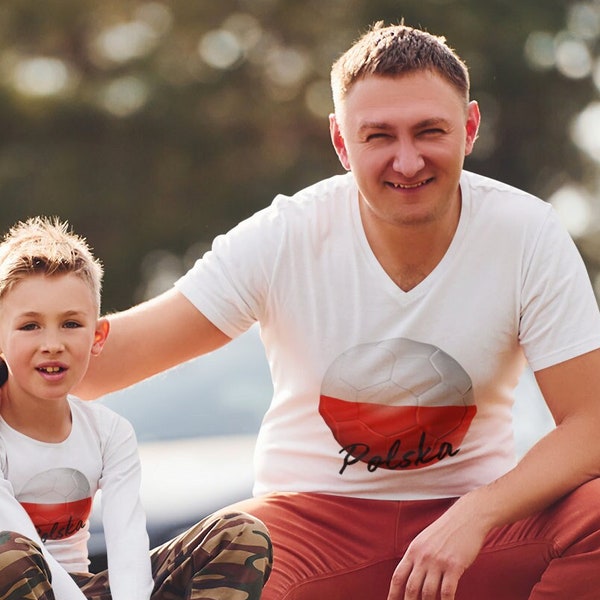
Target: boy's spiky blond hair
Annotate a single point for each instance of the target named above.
(41, 245)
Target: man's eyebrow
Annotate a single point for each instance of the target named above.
(433, 121)
(367, 125)
(384, 126)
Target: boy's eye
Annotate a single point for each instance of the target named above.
(71, 325)
(28, 327)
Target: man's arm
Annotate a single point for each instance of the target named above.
(565, 458)
(149, 338)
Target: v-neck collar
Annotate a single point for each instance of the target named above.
(422, 288)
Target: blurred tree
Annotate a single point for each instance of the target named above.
(154, 126)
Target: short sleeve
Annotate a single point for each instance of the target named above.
(559, 313)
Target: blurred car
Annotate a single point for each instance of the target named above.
(196, 426)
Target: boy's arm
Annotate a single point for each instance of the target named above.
(13, 517)
(123, 518)
(147, 339)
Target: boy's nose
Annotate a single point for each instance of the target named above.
(52, 343)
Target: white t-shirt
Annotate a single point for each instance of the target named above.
(46, 493)
(381, 393)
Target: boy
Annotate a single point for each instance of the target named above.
(56, 451)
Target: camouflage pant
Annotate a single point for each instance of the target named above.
(224, 557)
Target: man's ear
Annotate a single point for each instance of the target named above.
(338, 141)
(100, 335)
(472, 127)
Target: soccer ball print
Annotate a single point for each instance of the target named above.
(58, 502)
(397, 404)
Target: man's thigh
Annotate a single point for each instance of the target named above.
(553, 555)
(334, 547)
(337, 547)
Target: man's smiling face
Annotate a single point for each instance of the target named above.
(405, 139)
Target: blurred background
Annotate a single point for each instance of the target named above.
(153, 126)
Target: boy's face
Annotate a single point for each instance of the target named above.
(49, 329)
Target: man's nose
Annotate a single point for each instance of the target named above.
(408, 159)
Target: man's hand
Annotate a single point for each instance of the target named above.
(566, 457)
(438, 556)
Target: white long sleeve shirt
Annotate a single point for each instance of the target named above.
(46, 494)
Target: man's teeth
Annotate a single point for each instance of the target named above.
(404, 186)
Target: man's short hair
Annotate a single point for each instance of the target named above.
(396, 50)
(48, 247)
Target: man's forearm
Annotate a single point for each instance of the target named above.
(565, 458)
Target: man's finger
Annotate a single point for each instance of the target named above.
(399, 580)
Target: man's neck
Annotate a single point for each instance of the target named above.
(409, 253)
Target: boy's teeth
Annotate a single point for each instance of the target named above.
(52, 369)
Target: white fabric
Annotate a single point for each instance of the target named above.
(511, 288)
(101, 453)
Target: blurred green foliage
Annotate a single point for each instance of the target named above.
(152, 127)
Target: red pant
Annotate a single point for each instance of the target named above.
(338, 548)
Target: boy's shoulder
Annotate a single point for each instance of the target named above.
(95, 414)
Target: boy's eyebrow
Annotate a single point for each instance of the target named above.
(66, 313)
(29, 313)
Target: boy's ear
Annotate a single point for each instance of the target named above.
(100, 335)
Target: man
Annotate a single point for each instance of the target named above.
(398, 305)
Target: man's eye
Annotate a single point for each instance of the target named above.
(433, 131)
(377, 136)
